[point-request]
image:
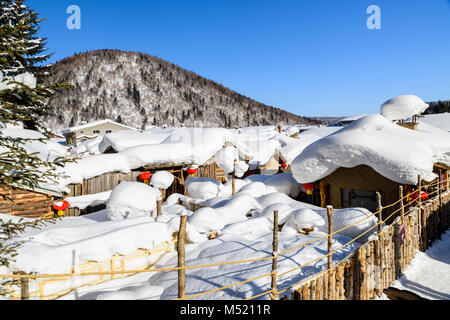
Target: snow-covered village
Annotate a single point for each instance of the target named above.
(176, 188)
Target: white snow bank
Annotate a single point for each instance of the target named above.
(230, 211)
(144, 292)
(303, 218)
(441, 120)
(403, 107)
(395, 152)
(203, 188)
(428, 274)
(58, 247)
(132, 199)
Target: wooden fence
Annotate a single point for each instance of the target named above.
(362, 275)
(375, 265)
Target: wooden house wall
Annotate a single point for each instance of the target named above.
(25, 203)
(359, 178)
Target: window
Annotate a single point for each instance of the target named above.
(360, 198)
(96, 131)
(108, 131)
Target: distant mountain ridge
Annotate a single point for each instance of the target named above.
(139, 89)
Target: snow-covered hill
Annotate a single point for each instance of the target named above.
(136, 89)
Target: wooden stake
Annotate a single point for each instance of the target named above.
(233, 182)
(181, 258)
(24, 288)
(159, 204)
(402, 204)
(380, 212)
(330, 235)
(439, 190)
(274, 294)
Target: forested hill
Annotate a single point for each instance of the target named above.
(438, 107)
(139, 89)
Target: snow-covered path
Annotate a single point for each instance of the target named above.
(428, 275)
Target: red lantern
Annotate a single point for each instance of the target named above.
(423, 197)
(60, 206)
(309, 187)
(284, 165)
(145, 176)
(191, 171)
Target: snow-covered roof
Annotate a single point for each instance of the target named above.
(93, 124)
(397, 153)
(353, 118)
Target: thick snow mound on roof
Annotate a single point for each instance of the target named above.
(162, 180)
(89, 146)
(397, 153)
(125, 139)
(225, 158)
(403, 107)
(291, 147)
(132, 199)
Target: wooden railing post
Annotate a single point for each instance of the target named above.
(380, 287)
(439, 190)
(159, 205)
(181, 258)
(422, 216)
(24, 289)
(330, 236)
(24, 286)
(331, 278)
(402, 203)
(274, 294)
(233, 181)
(380, 212)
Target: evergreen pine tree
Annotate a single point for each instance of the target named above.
(23, 99)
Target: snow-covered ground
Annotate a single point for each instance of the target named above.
(428, 275)
(244, 224)
(244, 221)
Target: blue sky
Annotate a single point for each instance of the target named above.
(311, 57)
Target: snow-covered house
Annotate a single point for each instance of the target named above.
(348, 120)
(371, 155)
(91, 130)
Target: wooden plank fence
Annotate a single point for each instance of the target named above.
(378, 263)
(109, 181)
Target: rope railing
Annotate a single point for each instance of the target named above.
(274, 256)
